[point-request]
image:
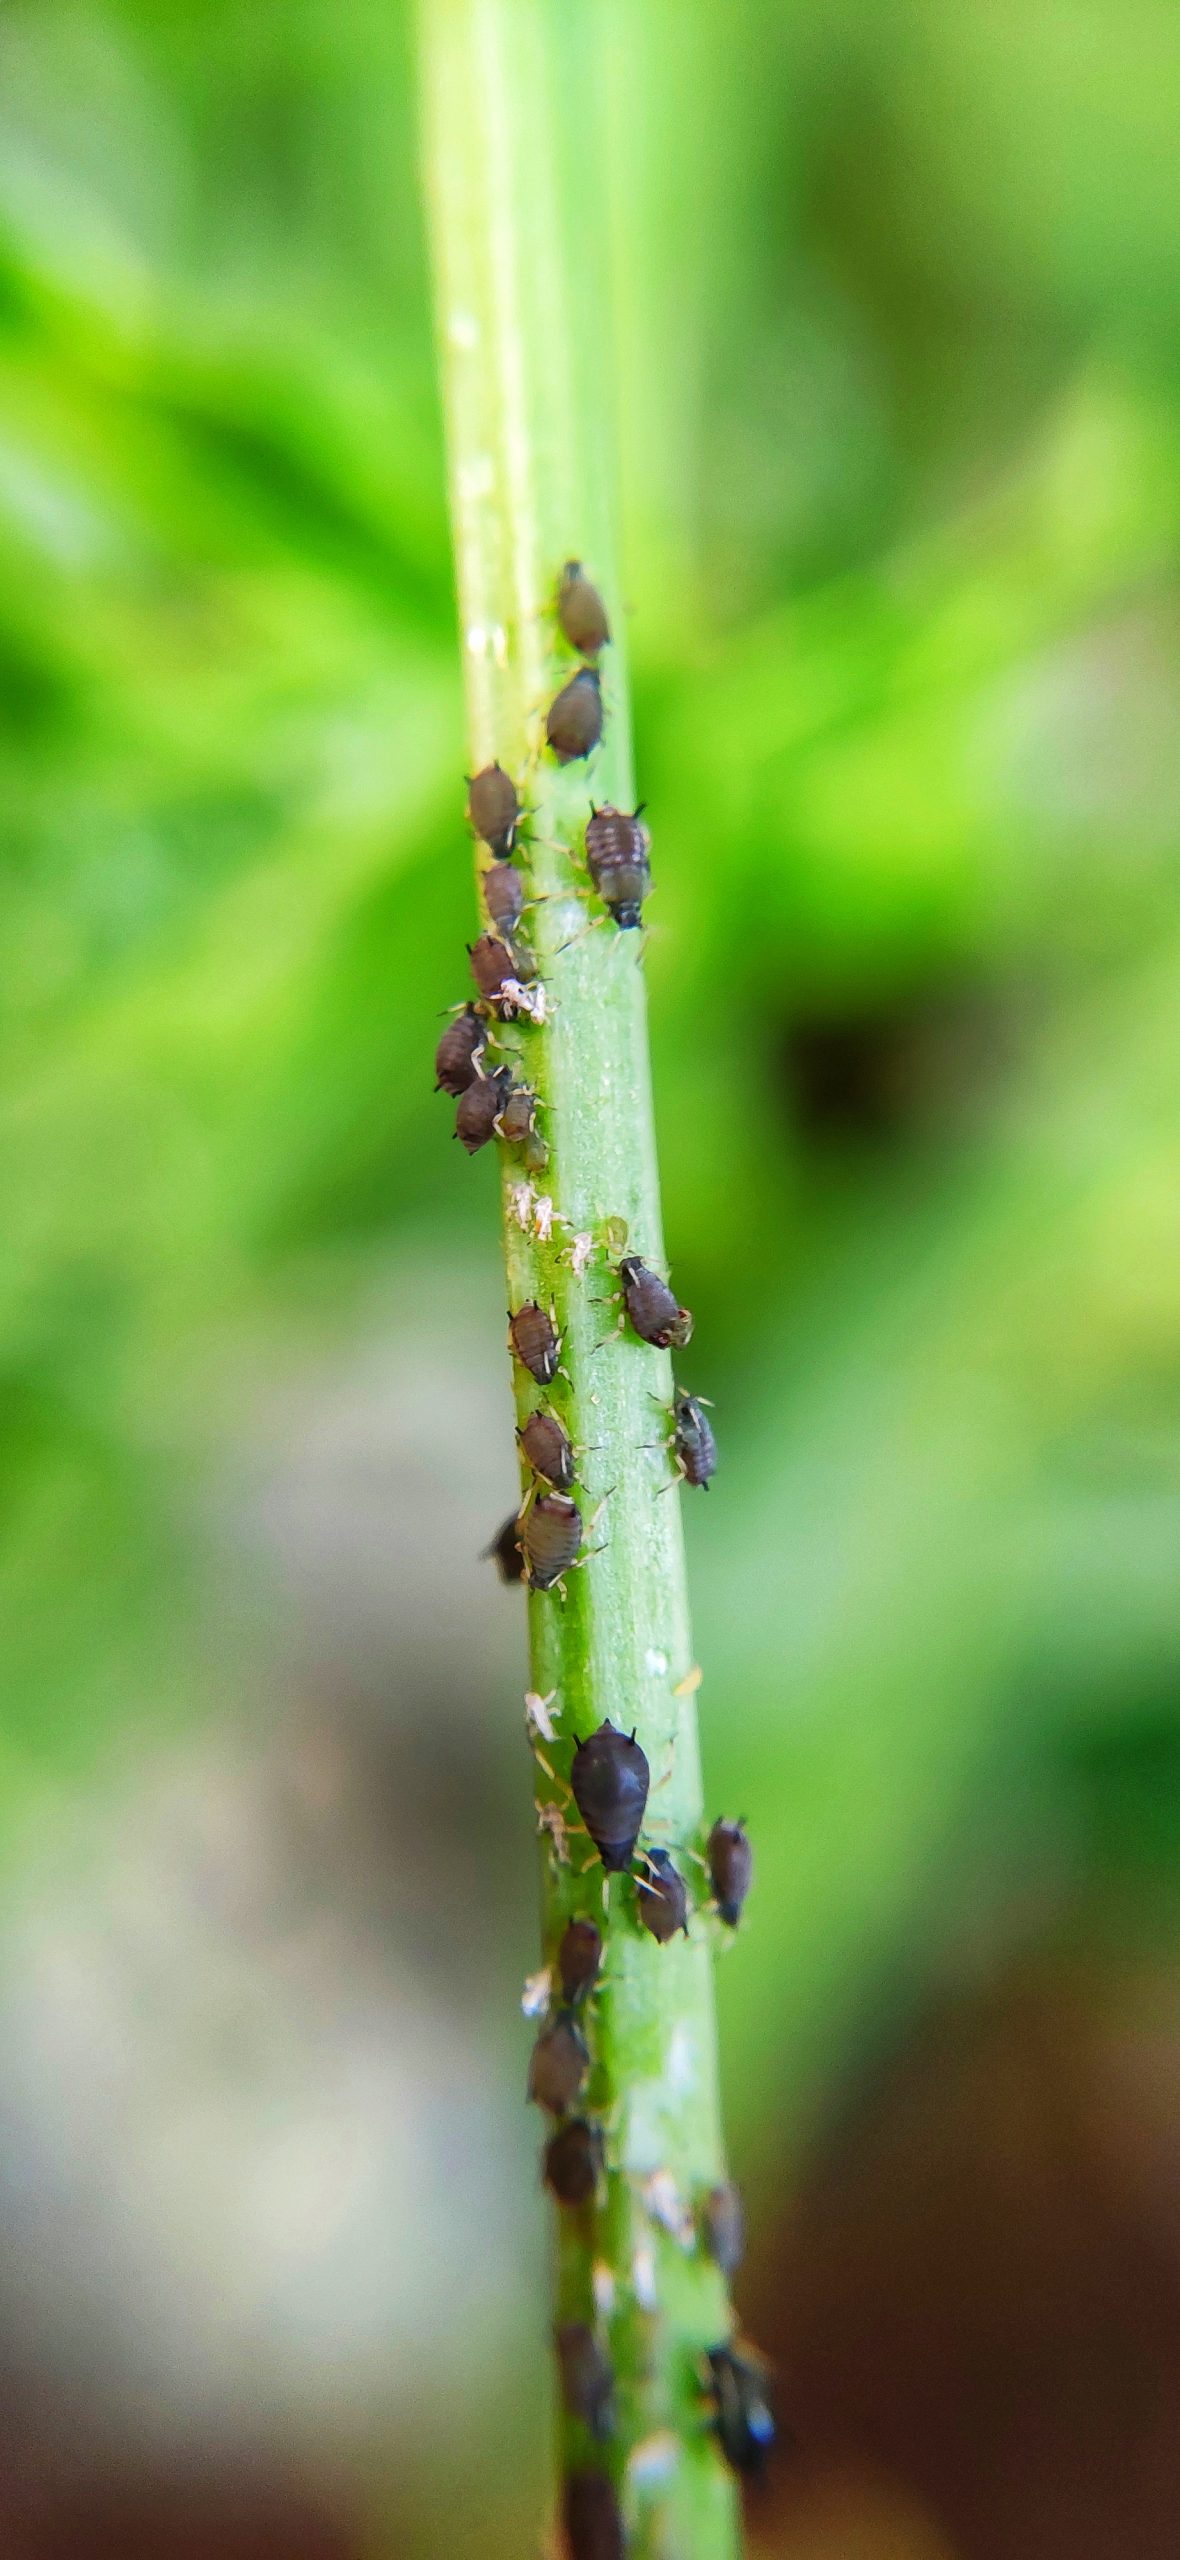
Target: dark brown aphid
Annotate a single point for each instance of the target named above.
(573, 2161)
(551, 1534)
(662, 1897)
(731, 1867)
(457, 1057)
(535, 1340)
(581, 611)
(558, 2065)
(518, 1115)
(693, 1440)
(507, 1550)
(593, 2517)
(651, 1308)
(587, 2378)
(744, 2421)
(480, 1107)
(579, 1957)
(574, 722)
(617, 849)
(493, 807)
(493, 965)
(547, 1445)
(503, 896)
(610, 1779)
(723, 2226)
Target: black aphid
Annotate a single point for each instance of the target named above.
(479, 1108)
(493, 966)
(503, 896)
(547, 1445)
(587, 2377)
(581, 611)
(493, 808)
(617, 850)
(723, 2227)
(457, 1057)
(610, 1779)
(574, 722)
(518, 1115)
(593, 2517)
(535, 1341)
(651, 1308)
(731, 1868)
(507, 1550)
(558, 2065)
(551, 1534)
(573, 2161)
(744, 2421)
(693, 1440)
(579, 1957)
(662, 1896)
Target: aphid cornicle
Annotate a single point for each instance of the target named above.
(503, 896)
(693, 1440)
(535, 1341)
(579, 1957)
(662, 1897)
(723, 2227)
(493, 808)
(593, 2517)
(573, 724)
(573, 2161)
(551, 1534)
(610, 1778)
(518, 1115)
(457, 1057)
(731, 1869)
(617, 850)
(587, 2377)
(558, 2065)
(546, 1444)
(744, 2421)
(479, 1108)
(581, 611)
(652, 1310)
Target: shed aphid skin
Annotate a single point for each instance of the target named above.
(535, 1340)
(546, 1444)
(507, 1550)
(479, 1108)
(581, 611)
(573, 723)
(743, 2419)
(610, 1779)
(652, 1311)
(693, 1444)
(587, 2378)
(662, 1897)
(503, 896)
(558, 2065)
(493, 808)
(731, 1869)
(594, 2528)
(617, 849)
(573, 2161)
(457, 1057)
(723, 2227)
(551, 1534)
(579, 1958)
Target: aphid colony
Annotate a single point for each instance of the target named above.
(609, 1775)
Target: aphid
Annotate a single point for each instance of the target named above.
(579, 1957)
(662, 1897)
(517, 1115)
(480, 1107)
(506, 1548)
(587, 2377)
(535, 1341)
(573, 725)
(493, 966)
(581, 611)
(610, 1779)
(573, 2161)
(551, 1534)
(457, 1057)
(723, 2227)
(744, 2421)
(503, 896)
(547, 1445)
(617, 849)
(651, 1307)
(558, 2065)
(692, 1440)
(731, 1868)
(493, 807)
(594, 2526)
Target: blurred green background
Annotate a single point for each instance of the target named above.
(899, 420)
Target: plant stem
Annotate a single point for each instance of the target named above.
(515, 186)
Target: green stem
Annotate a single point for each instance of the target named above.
(515, 186)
